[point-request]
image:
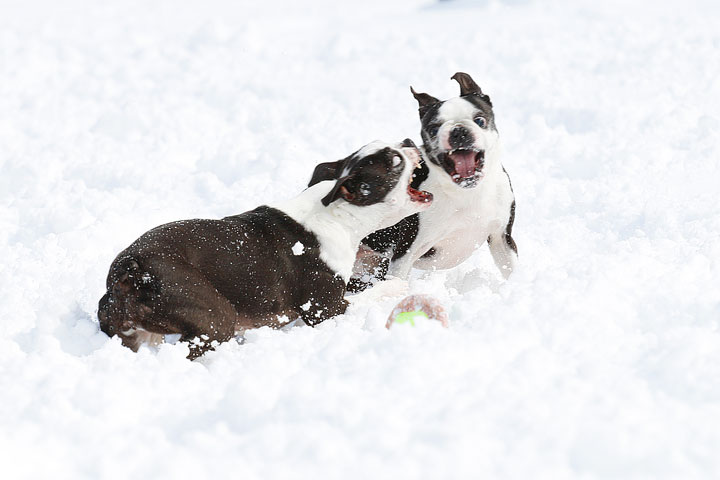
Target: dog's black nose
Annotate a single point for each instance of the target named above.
(408, 143)
(460, 137)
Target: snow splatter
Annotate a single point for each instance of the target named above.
(298, 248)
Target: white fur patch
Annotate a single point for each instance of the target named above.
(461, 219)
(366, 151)
(456, 109)
(340, 226)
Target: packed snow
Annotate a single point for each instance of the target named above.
(598, 358)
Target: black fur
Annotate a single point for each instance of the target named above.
(425, 101)
(507, 236)
(469, 87)
(206, 278)
(396, 239)
(373, 177)
(508, 229)
(326, 171)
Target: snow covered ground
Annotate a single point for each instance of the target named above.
(599, 358)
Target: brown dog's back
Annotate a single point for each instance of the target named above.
(206, 279)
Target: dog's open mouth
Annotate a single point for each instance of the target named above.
(420, 196)
(466, 164)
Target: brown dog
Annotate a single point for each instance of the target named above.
(209, 279)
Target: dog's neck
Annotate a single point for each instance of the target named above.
(339, 227)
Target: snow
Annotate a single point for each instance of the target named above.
(298, 248)
(599, 358)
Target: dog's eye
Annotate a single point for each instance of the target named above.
(396, 160)
(481, 122)
(364, 189)
(432, 130)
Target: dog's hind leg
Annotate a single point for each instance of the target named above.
(165, 296)
(503, 248)
(189, 304)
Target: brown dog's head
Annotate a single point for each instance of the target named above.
(378, 173)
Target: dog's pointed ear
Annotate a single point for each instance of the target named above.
(424, 101)
(325, 171)
(468, 86)
(338, 190)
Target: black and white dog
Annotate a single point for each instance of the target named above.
(473, 198)
(209, 279)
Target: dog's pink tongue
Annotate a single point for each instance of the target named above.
(464, 163)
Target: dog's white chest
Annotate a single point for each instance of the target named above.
(460, 220)
(469, 229)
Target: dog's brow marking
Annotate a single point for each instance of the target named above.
(456, 108)
(366, 151)
(371, 148)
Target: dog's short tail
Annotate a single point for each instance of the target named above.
(130, 291)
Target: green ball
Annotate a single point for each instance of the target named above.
(409, 317)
